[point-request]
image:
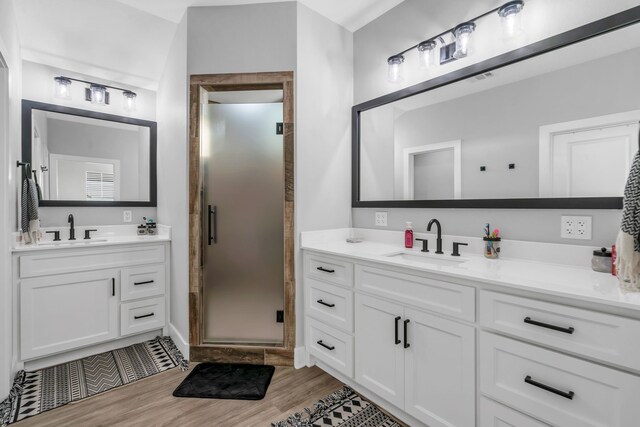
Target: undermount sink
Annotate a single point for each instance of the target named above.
(441, 260)
(71, 242)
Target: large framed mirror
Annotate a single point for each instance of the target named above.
(87, 158)
(553, 125)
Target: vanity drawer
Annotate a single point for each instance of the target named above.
(493, 414)
(142, 282)
(329, 269)
(556, 388)
(60, 261)
(330, 304)
(434, 295)
(142, 316)
(602, 336)
(330, 346)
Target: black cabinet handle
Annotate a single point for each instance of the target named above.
(328, 347)
(325, 303)
(568, 330)
(143, 316)
(142, 283)
(213, 225)
(113, 286)
(326, 270)
(406, 343)
(397, 338)
(566, 394)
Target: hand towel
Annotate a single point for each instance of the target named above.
(30, 222)
(628, 241)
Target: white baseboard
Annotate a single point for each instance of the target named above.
(300, 357)
(179, 341)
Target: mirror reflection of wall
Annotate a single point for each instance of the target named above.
(80, 158)
(566, 122)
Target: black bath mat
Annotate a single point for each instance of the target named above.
(226, 381)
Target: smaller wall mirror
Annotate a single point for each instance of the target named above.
(86, 158)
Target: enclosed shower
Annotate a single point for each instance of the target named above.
(243, 173)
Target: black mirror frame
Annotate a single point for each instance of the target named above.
(28, 106)
(585, 32)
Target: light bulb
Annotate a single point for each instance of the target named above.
(129, 100)
(427, 53)
(394, 74)
(464, 39)
(511, 18)
(99, 94)
(62, 88)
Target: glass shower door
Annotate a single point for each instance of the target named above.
(243, 215)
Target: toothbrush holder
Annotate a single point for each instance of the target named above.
(491, 247)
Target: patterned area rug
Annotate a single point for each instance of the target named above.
(344, 408)
(46, 389)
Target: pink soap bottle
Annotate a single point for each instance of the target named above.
(408, 236)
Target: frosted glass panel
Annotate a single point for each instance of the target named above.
(243, 166)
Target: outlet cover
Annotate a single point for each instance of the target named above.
(576, 227)
(381, 219)
(126, 216)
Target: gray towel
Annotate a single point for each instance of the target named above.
(30, 222)
(628, 241)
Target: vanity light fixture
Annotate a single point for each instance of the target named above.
(463, 45)
(95, 93)
(511, 18)
(394, 74)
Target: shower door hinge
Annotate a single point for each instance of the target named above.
(279, 128)
(280, 316)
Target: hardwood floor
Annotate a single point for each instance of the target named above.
(149, 402)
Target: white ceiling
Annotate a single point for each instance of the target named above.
(127, 41)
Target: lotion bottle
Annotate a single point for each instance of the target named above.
(408, 236)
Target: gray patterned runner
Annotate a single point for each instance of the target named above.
(48, 388)
(344, 408)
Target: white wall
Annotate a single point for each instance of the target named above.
(323, 131)
(173, 177)
(415, 20)
(37, 85)
(10, 98)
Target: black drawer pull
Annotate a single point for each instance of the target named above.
(142, 283)
(566, 394)
(548, 326)
(326, 270)
(328, 347)
(325, 303)
(113, 286)
(143, 316)
(406, 343)
(397, 338)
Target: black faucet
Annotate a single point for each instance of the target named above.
(439, 236)
(72, 230)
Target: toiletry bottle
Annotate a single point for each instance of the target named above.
(408, 236)
(613, 260)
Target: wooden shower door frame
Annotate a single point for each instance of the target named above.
(199, 87)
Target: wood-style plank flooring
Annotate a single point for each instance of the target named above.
(149, 402)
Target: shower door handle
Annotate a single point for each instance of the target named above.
(212, 225)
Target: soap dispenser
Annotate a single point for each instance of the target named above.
(408, 236)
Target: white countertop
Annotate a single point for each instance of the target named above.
(552, 278)
(107, 235)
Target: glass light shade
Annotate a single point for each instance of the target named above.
(511, 18)
(98, 94)
(464, 39)
(427, 54)
(394, 74)
(129, 100)
(62, 88)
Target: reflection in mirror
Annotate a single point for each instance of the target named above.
(86, 159)
(562, 124)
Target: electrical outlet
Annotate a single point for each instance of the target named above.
(381, 219)
(126, 216)
(576, 227)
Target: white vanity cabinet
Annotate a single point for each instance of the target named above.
(72, 298)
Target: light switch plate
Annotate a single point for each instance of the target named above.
(576, 227)
(381, 219)
(126, 216)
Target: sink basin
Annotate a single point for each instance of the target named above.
(71, 242)
(441, 260)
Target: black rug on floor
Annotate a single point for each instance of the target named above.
(226, 381)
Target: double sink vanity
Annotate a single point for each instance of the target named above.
(535, 338)
(74, 298)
